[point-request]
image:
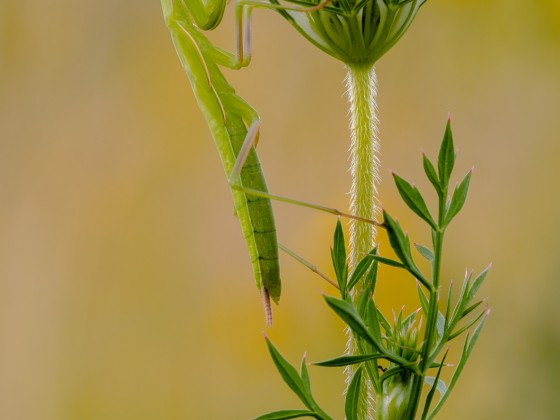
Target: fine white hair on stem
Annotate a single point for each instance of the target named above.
(361, 83)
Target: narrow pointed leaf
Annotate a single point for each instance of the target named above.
(348, 360)
(397, 239)
(287, 414)
(360, 270)
(373, 321)
(471, 308)
(462, 302)
(477, 282)
(423, 299)
(448, 306)
(338, 253)
(440, 324)
(347, 312)
(458, 199)
(431, 174)
(446, 158)
(353, 396)
(437, 384)
(388, 261)
(441, 387)
(401, 246)
(290, 375)
(467, 349)
(391, 372)
(425, 252)
(385, 324)
(467, 326)
(370, 281)
(304, 374)
(414, 200)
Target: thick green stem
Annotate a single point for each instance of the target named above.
(362, 91)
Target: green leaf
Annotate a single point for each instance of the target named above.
(477, 282)
(338, 253)
(401, 246)
(360, 270)
(290, 376)
(467, 350)
(440, 324)
(349, 360)
(448, 306)
(462, 302)
(304, 374)
(353, 396)
(425, 252)
(436, 384)
(287, 414)
(446, 158)
(467, 326)
(391, 372)
(398, 240)
(414, 200)
(423, 299)
(471, 308)
(385, 324)
(431, 174)
(372, 319)
(347, 312)
(388, 261)
(370, 280)
(458, 199)
(441, 387)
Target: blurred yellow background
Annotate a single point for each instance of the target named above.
(125, 287)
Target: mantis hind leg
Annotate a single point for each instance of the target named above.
(249, 144)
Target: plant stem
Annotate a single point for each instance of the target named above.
(361, 84)
(431, 325)
(362, 92)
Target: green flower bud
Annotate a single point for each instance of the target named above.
(393, 401)
(357, 32)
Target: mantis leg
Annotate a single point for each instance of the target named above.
(249, 144)
(243, 10)
(208, 15)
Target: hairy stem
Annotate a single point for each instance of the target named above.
(361, 84)
(362, 92)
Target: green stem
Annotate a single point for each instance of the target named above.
(362, 91)
(431, 326)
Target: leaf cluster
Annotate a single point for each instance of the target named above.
(406, 351)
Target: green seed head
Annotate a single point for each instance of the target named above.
(357, 32)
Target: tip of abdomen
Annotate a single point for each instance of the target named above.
(267, 306)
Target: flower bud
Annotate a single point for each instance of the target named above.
(356, 32)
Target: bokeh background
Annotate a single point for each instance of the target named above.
(125, 288)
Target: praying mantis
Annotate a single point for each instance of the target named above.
(234, 124)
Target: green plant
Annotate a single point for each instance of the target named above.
(402, 351)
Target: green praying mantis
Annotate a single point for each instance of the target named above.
(234, 124)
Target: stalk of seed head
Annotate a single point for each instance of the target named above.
(361, 82)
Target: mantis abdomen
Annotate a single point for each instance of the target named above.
(255, 215)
